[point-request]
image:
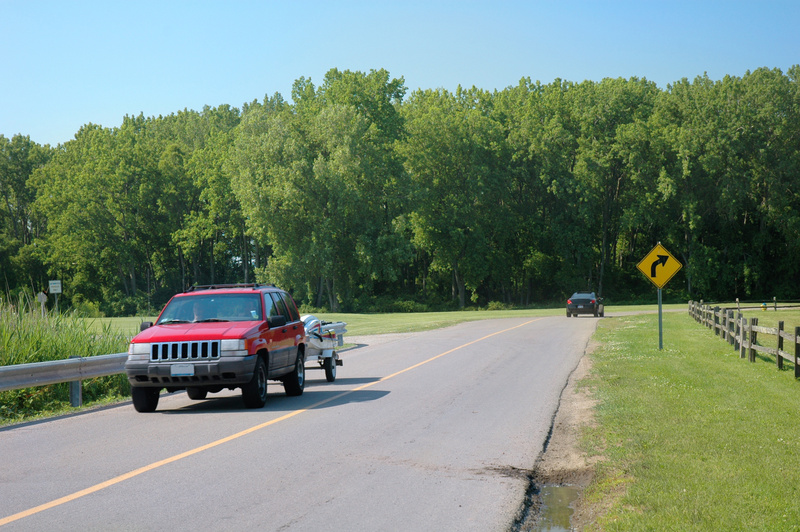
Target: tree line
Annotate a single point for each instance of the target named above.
(360, 196)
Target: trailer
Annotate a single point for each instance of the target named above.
(322, 339)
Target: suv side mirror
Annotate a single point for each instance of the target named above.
(276, 321)
(145, 325)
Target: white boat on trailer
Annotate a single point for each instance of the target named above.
(322, 339)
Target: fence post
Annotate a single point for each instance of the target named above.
(745, 337)
(75, 391)
(731, 324)
(737, 337)
(796, 353)
(753, 338)
(724, 331)
(779, 362)
(716, 321)
(738, 308)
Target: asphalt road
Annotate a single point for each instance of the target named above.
(427, 431)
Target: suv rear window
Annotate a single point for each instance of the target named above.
(289, 302)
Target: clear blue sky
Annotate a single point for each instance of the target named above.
(67, 63)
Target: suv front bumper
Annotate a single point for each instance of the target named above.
(225, 371)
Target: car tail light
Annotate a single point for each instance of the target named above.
(569, 301)
(593, 301)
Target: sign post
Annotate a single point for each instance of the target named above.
(659, 266)
(54, 287)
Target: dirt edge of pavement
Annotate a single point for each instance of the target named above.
(563, 463)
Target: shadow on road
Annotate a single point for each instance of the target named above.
(277, 401)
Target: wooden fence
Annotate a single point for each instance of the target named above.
(743, 334)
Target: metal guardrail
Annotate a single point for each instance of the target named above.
(73, 370)
(55, 371)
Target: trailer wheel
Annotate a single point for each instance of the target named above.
(330, 368)
(145, 399)
(254, 393)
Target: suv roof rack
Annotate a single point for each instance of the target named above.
(254, 286)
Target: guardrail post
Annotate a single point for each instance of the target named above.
(753, 338)
(75, 391)
(779, 362)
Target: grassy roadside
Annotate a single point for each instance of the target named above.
(28, 337)
(693, 437)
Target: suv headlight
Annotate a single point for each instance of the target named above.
(232, 345)
(139, 351)
(236, 348)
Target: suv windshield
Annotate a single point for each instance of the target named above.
(212, 307)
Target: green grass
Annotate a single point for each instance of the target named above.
(693, 437)
(26, 337)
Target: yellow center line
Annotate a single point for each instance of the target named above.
(171, 459)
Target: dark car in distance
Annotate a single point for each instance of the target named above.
(585, 303)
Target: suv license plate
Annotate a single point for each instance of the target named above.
(580, 306)
(182, 370)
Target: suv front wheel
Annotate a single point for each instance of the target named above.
(145, 399)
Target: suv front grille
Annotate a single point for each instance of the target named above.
(177, 351)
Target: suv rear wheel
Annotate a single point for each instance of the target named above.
(295, 382)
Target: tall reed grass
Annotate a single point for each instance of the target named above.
(27, 336)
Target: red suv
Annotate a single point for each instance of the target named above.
(214, 337)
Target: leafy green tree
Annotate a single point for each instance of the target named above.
(19, 225)
(459, 188)
(553, 229)
(318, 183)
(608, 110)
(108, 208)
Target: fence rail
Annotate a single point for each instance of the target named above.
(731, 326)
